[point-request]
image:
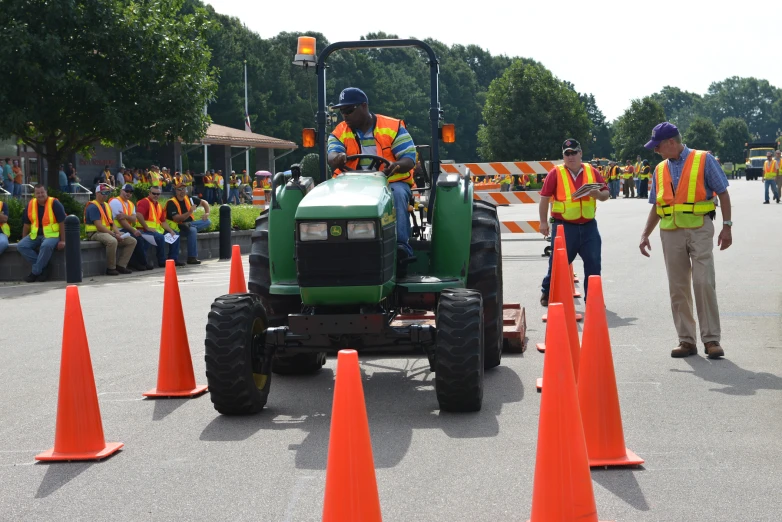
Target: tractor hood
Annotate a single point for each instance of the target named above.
(348, 196)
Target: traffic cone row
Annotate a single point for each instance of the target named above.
(560, 242)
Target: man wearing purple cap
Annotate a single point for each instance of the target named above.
(682, 195)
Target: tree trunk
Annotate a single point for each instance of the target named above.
(54, 158)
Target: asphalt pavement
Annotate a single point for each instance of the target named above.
(708, 430)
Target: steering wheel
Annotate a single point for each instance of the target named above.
(377, 161)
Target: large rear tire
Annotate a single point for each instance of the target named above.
(238, 367)
(459, 350)
(485, 275)
(277, 307)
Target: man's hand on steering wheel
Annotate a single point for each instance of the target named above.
(376, 164)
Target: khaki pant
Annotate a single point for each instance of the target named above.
(111, 243)
(689, 261)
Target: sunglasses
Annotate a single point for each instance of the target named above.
(571, 153)
(154, 193)
(347, 110)
(106, 193)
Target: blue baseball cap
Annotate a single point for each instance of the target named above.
(660, 133)
(351, 96)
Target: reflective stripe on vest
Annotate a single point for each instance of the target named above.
(105, 217)
(646, 172)
(173, 224)
(770, 169)
(385, 132)
(128, 208)
(4, 228)
(686, 206)
(50, 226)
(155, 219)
(563, 199)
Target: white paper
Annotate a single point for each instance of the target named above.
(585, 189)
(150, 239)
(171, 239)
(125, 235)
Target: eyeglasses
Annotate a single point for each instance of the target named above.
(105, 193)
(154, 193)
(571, 153)
(345, 111)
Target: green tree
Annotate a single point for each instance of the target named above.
(755, 101)
(528, 113)
(118, 71)
(599, 145)
(680, 107)
(733, 135)
(633, 129)
(702, 135)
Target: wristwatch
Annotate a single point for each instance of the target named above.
(729, 223)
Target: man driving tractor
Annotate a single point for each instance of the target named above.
(362, 132)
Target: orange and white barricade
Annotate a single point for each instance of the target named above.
(259, 197)
(508, 198)
(514, 168)
(520, 227)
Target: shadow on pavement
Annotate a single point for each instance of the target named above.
(399, 400)
(736, 380)
(615, 321)
(164, 406)
(59, 474)
(623, 484)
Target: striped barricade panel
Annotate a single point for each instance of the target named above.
(515, 168)
(259, 197)
(519, 227)
(508, 198)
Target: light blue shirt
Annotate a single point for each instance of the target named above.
(715, 179)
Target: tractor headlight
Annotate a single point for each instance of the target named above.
(361, 230)
(313, 231)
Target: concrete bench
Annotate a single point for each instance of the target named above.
(13, 267)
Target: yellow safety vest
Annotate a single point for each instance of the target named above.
(685, 206)
(563, 199)
(51, 228)
(4, 228)
(645, 173)
(173, 224)
(105, 216)
(770, 169)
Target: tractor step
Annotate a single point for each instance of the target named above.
(514, 325)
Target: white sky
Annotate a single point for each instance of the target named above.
(615, 50)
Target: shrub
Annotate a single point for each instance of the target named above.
(16, 210)
(71, 205)
(310, 169)
(242, 217)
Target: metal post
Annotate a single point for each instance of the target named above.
(225, 232)
(73, 270)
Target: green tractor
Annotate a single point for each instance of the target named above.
(324, 277)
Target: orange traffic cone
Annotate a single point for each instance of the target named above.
(559, 242)
(237, 284)
(351, 488)
(576, 293)
(175, 377)
(79, 431)
(562, 491)
(597, 389)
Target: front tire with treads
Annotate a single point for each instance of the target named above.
(238, 365)
(459, 350)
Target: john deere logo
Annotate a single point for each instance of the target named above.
(336, 230)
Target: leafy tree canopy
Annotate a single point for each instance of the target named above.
(733, 134)
(702, 135)
(633, 129)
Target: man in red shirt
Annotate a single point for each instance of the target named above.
(577, 215)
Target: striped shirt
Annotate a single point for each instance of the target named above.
(402, 147)
(716, 181)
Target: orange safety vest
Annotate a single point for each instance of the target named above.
(4, 228)
(246, 179)
(770, 169)
(686, 206)
(128, 207)
(155, 217)
(385, 132)
(51, 228)
(105, 216)
(173, 224)
(563, 202)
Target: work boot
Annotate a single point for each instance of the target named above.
(180, 263)
(193, 261)
(31, 278)
(714, 350)
(111, 272)
(44, 275)
(150, 266)
(684, 350)
(544, 300)
(123, 270)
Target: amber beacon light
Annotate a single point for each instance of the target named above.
(308, 138)
(305, 52)
(448, 133)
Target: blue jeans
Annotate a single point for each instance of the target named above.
(401, 193)
(233, 194)
(18, 190)
(208, 194)
(10, 187)
(3, 242)
(190, 232)
(774, 189)
(583, 240)
(37, 251)
(142, 246)
(613, 186)
(637, 186)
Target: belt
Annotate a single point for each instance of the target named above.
(563, 222)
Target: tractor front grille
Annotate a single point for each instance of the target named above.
(342, 262)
